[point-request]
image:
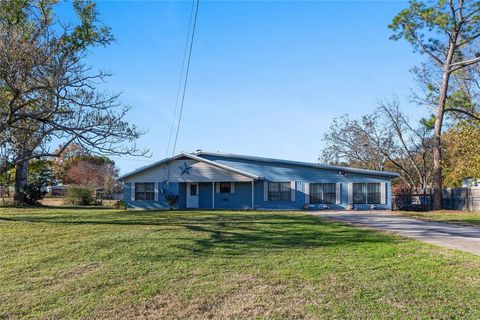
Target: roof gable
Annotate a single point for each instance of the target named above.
(193, 159)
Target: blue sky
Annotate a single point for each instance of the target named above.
(267, 78)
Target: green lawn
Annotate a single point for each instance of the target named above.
(70, 263)
(471, 218)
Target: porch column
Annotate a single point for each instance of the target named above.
(253, 195)
(213, 195)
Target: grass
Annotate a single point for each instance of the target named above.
(461, 217)
(73, 263)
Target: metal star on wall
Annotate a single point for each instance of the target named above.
(185, 169)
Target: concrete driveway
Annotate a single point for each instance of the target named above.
(444, 234)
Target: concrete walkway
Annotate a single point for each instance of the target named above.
(444, 234)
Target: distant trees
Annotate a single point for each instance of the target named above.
(448, 33)
(386, 140)
(461, 153)
(383, 140)
(356, 142)
(440, 149)
(40, 177)
(48, 92)
(77, 166)
(94, 172)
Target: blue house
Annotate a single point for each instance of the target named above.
(208, 180)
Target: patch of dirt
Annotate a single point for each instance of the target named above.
(74, 273)
(243, 296)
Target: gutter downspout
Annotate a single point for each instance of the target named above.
(213, 195)
(253, 194)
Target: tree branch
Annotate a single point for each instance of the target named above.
(459, 65)
(471, 115)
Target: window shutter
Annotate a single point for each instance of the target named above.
(383, 193)
(350, 193)
(132, 191)
(338, 193)
(292, 190)
(156, 192)
(306, 188)
(265, 190)
(217, 187)
(232, 187)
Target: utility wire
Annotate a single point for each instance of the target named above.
(132, 159)
(186, 76)
(180, 80)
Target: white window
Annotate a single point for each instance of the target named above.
(315, 193)
(373, 193)
(145, 191)
(323, 193)
(367, 193)
(359, 193)
(225, 187)
(329, 193)
(279, 191)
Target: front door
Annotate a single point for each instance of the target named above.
(192, 195)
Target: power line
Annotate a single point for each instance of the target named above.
(186, 76)
(132, 159)
(180, 80)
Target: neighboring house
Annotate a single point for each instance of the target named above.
(58, 190)
(208, 180)
(471, 182)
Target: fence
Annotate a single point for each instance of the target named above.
(465, 199)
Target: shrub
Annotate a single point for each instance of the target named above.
(79, 196)
(120, 204)
(35, 192)
(403, 197)
(172, 200)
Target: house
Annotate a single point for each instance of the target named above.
(212, 180)
(470, 182)
(58, 190)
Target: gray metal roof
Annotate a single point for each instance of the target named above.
(193, 157)
(198, 157)
(298, 163)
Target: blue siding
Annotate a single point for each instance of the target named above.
(300, 198)
(260, 203)
(205, 195)
(182, 195)
(300, 174)
(241, 198)
(163, 190)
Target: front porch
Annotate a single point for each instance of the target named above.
(217, 195)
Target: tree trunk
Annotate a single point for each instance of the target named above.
(437, 142)
(21, 174)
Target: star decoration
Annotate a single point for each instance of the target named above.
(185, 169)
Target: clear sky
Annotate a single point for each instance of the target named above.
(267, 78)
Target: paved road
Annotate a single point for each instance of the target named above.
(439, 233)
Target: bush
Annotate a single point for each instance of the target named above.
(120, 204)
(34, 192)
(79, 196)
(172, 200)
(402, 197)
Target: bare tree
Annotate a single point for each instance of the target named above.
(355, 142)
(48, 93)
(412, 146)
(448, 32)
(382, 140)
